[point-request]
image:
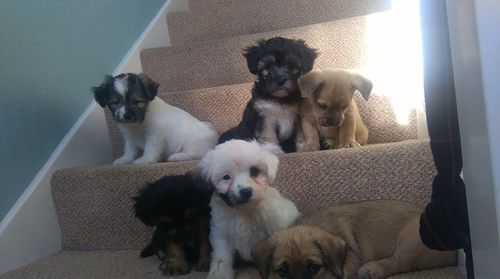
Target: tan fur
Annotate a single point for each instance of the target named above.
(381, 239)
(175, 261)
(328, 94)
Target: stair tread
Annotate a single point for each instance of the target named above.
(239, 18)
(341, 43)
(94, 204)
(127, 264)
(223, 107)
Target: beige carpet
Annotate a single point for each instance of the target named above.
(126, 264)
(249, 17)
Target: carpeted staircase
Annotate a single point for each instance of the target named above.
(204, 73)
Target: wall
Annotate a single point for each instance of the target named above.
(51, 53)
(474, 45)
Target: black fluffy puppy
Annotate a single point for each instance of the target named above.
(178, 207)
(271, 114)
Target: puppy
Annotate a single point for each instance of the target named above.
(245, 209)
(370, 239)
(178, 207)
(149, 124)
(328, 112)
(271, 114)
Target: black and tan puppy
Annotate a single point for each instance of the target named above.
(271, 116)
(178, 207)
(370, 239)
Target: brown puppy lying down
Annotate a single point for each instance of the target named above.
(328, 112)
(369, 239)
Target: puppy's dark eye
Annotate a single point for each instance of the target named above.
(283, 271)
(314, 268)
(254, 171)
(114, 103)
(226, 177)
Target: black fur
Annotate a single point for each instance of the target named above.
(140, 89)
(278, 63)
(178, 207)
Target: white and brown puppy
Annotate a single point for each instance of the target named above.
(245, 209)
(329, 115)
(148, 124)
(368, 240)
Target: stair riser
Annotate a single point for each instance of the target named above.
(95, 207)
(253, 17)
(341, 44)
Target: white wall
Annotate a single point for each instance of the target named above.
(475, 42)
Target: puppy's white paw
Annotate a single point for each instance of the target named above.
(221, 274)
(145, 160)
(122, 161)
(309, 147)
(349, 144)
(272, 147)
(180, 157)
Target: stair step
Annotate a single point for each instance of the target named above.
(223, 107)
(94, 204)
(247, 17)
(127, 264)
(213, 4)
(341, 44)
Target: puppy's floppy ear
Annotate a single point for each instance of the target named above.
(308, 56)
(310, 82)
(150, 86)
(270, 159)
(263, 255)
(332, 249)
(362, 84)
(101, 93)
(253, 54)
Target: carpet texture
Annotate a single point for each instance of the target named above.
(126, 264)
(248, 17)
(223, 107)
(341, 44)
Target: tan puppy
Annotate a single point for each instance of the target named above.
(328, 111)
(370, 239)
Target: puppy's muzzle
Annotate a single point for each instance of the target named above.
(330, 122)
(242, 196)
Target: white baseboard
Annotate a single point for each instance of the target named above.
(30, 230)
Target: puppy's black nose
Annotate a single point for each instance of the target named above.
(127, 117)
(246, 193)
(332, 121)
(280, 82)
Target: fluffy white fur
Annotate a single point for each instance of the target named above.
(166, 132)
(239, 227)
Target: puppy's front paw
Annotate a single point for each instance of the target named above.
(349, 144)
(272, 147)
(177, 157)
(309, 147)
(174, 267)
(369, 271)
(221, 274)
(122, 161)
(144, 161)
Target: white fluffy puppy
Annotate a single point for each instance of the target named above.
(149, 124)
(245, 209)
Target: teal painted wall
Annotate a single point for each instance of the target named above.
(51, 53)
